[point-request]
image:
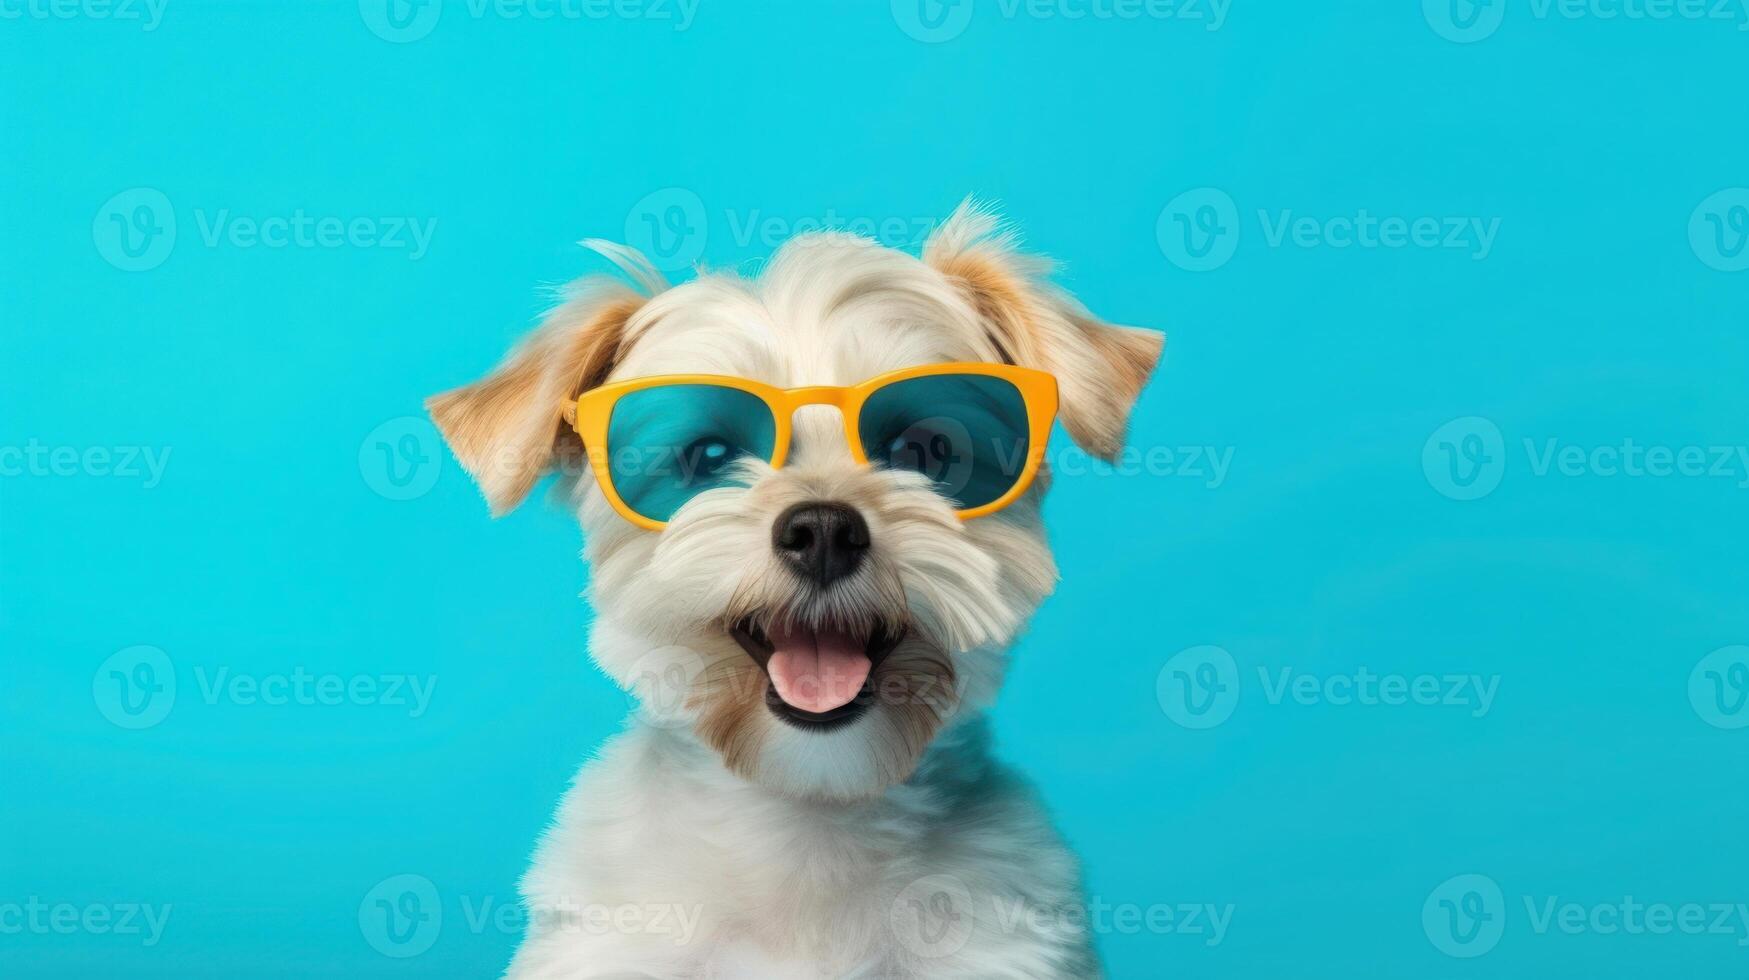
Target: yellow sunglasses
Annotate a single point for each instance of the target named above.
(977, 431)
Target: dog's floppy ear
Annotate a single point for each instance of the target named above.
(508, 428)
(1100, 368)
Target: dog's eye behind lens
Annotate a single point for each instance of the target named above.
(706, 457)
(667, 445)
(967, 433)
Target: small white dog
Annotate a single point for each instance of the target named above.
(810, 583)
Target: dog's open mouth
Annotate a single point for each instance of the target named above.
(819, 677)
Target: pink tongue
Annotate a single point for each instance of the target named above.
(816, 671)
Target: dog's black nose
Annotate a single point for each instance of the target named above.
(823, 542)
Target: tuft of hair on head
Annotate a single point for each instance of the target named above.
(1100, 368)
(632, 263)
(513, 426)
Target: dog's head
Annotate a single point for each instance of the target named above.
(816, 624)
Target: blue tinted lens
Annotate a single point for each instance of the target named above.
(667, 445)
(966, 432)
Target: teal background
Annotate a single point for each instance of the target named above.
(275, 540)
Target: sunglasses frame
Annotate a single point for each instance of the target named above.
(1038, 390)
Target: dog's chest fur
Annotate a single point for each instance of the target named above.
(673, 867)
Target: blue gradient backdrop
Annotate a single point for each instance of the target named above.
(1386, 395)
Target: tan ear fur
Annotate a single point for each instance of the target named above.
(507, 428)
(1100, 368)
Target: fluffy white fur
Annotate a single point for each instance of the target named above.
(711, 839)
